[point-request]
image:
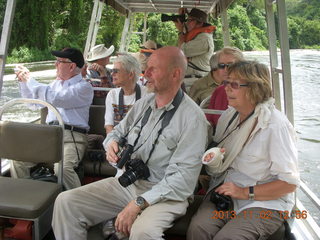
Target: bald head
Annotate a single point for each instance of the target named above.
(173, 57)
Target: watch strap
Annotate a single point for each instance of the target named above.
(251, 193)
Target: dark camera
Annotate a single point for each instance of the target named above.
(174, 18)
(222, 202)
(125, 151)
(135, 169)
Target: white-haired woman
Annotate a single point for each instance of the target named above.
(125, 74)
(260, 170)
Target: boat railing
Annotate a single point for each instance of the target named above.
(309, 193)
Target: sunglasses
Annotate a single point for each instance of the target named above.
(223, 65)
(115, 70)
(234, 85)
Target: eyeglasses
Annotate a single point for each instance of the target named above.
(190, 19)
(234, 85)
(223, 65)
(61, 61)
(115, 70)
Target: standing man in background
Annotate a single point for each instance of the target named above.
(196, 41)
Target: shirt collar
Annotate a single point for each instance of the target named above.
(75, 79)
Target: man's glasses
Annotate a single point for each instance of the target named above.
(234, 85)
(223, 65)
(61, 61)
(115, 70)
(190, 19)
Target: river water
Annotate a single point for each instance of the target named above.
(305, 66)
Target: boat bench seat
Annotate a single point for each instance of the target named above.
(27, 198)
(94, 161)
(18, 202)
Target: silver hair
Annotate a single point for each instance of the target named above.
(130, 64)
(235, 52)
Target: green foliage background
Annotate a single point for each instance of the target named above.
(43, 25)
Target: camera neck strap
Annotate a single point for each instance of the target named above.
(238, 126)
(167, 116)
(121, 99)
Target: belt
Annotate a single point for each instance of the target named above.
(193, 76)
(70, 127)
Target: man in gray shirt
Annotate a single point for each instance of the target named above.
(168, 134)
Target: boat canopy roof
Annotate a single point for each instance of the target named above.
(168, 6)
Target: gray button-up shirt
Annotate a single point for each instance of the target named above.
(175, 163)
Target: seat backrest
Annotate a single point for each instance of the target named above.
(31, 142)
(96, 119)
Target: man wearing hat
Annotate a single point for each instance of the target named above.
(98, 58)
(196, 41)
(72, 96)
(146, 49)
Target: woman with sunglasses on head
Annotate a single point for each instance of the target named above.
(219, 62)
(259, 172)
(125, 74)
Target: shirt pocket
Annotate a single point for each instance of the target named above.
(168, 142)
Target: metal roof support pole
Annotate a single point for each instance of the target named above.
(272, 38)
(94, 26)
(125, 33)
(145, 27)
(225, 25)
(285, 60)
(132, 20)
(5, 36)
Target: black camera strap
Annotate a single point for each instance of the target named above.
(143, 123)
(121, 99)
(238, 126)
(167, 116)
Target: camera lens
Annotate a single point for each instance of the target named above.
(135, 169)
(127, 178)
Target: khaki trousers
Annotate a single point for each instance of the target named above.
(75, 211)
(70, 161)
(251, 223)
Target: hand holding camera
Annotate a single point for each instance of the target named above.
(175, 18)
(135, 168)
(23, 73)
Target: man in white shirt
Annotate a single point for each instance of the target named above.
(72, 96)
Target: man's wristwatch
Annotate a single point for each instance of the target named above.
(251, 193)
(140, 202)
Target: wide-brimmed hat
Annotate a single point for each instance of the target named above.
(73, 54)
(149, 45)
(99, 51)
(198, 15)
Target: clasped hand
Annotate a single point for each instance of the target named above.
(23, 73)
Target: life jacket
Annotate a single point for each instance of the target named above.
(193, 33)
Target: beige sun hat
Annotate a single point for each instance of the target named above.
(99, 51)
(149, 45)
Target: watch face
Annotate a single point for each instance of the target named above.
(140, 201)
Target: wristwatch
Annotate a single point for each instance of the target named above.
(251, 193)
(140, 202)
